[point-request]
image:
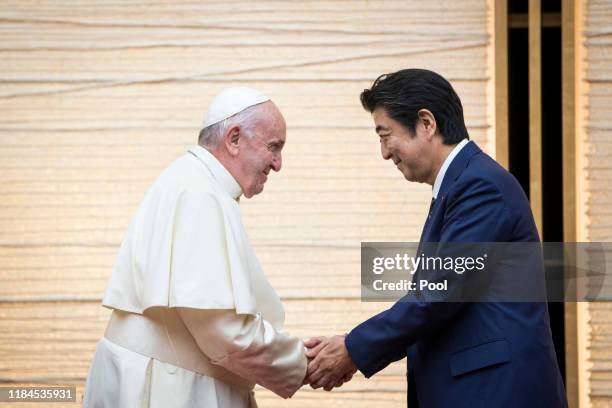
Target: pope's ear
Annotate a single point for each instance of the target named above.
(231, 139)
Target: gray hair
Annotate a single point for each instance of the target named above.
(211, 136)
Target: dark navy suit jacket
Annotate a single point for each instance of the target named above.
(469, 354)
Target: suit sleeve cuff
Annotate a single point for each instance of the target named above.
(361, 355)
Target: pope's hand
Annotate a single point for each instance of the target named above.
(314, 341)
(331, 366)
(309, 345)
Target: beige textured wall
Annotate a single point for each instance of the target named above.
(596, 180)
(98, 97)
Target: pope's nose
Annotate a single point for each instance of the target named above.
(277, 163)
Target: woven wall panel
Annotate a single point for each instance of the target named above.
(598, 176)
(98, 97)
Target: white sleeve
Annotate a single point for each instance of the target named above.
(250, 347)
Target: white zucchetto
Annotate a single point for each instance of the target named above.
(231, 101)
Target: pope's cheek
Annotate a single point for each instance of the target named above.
(259, 181)
(259, 188)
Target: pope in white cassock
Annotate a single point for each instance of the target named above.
(195, 322)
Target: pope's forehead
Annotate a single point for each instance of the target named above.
(271, 115)
(270, 109)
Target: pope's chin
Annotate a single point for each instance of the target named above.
(253, 190)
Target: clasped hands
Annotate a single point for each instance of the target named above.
(329, 364)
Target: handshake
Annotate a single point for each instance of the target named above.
(329, 364)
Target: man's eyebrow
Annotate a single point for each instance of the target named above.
(381, 128)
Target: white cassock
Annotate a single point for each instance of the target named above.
(195, 322)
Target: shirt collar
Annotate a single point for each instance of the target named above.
(218, 171)
(445, 165)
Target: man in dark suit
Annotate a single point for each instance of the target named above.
(460, 354)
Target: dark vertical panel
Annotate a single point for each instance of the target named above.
(552, 167)
(552, 137)
(552, 140)
(518, 105)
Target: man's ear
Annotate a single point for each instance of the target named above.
(231, 139)
(428, 121)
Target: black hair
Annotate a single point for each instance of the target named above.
(403, 93)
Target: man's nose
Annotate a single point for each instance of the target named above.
(386, 154)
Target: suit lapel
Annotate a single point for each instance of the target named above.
(453, 172)
(457, 166)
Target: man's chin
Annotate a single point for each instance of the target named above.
(410, 177)
(407, 175)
